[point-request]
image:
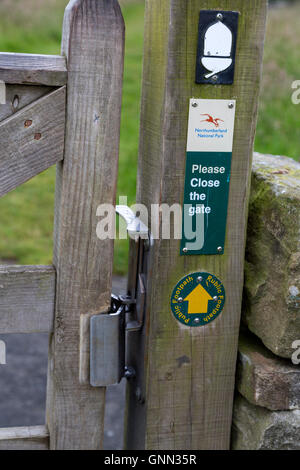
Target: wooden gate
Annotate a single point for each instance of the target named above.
(65, 110)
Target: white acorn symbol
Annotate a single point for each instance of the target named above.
(217, 49)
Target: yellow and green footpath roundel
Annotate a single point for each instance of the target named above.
(198, 299)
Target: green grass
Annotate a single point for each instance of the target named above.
(34, 26)
(278, 129)
(26, 214)
(134, 20)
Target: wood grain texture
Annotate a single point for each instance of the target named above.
(32, 140)
(186, 376)
(19, 96)
(24, 438)
(33, 69)
(27, 295)
(93, 41)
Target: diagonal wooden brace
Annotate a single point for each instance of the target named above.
(32, 140)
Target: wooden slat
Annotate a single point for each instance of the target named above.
(32, 140)
(19, 96)
(27, 295)
(93, 39)
(33, 69)
(24, 438)
(185, 376)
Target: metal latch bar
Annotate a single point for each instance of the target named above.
(107, 354)
(108, 331)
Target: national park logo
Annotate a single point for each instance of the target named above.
(198, 299)
(214, 121)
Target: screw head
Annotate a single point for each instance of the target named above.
(219, 249)
(16, 102)
(200, 279)
(28, 123)
(220, 16)
(231, 105)
(215, 298)
(214, 78)
(180, 300)
(197, 320)
(194, 104)
(185, 250)
(129, 372)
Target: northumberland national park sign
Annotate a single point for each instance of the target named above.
(207, 176)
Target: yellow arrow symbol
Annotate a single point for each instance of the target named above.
(198, 300)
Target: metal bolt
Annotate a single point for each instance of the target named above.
(214, 78)
(185, 250)
(200, 279)
(129, 372)
(37, 136)
(27, 123)
(16, 101)
(215, 298)
(180, 300)
(231, 105)
(220, 16)
(197, 320)
(220, 248)
(194, 104)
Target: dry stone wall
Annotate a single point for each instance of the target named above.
(267, 404)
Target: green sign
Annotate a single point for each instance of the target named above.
(207, 176)
(206, 193)
(198, 299)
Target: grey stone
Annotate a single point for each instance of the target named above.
(272, 271)
(255, 428)
(264, 379)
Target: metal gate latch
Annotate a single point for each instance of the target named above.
(108, 330)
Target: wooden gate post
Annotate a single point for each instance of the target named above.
(182, 396)
(93, 42)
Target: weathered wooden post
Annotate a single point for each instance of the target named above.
(182, 395)
(93, 42)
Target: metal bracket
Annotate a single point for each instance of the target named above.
(108, 331)
(135, 227)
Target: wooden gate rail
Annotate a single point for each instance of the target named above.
(27, 295)
(34, 139)
(33, 69)
(24, 438)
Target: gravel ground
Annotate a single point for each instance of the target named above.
(23, 384)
